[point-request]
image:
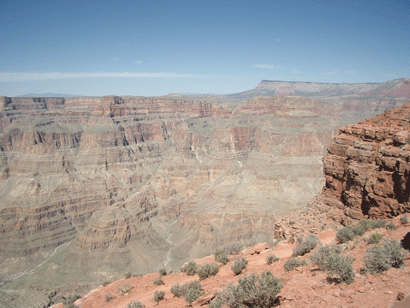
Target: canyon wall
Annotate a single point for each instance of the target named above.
(367, 167)
(99, 186)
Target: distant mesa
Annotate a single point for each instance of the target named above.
(174, 94)
(398, 88)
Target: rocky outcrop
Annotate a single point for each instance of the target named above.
(367, 167)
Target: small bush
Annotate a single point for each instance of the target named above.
(374, 238)
(345, 234)
(271, 258)
(124, 289)
(333, 263)
(158, 281)
(391, 226)
(380, 258)
(380, 223)
(305, 245)
(135, 304)
(251, 291)
(108, 297)
(162, 272)
(192, 295)
(404, 219)
(106, 283)
(235, 248)
(239, 265)
(128, 275)
(190, 268)
(159, 296)
(195, 284)
(208, 270)
(69, 300)
(221, 257)
(293, 263)
(178, 290)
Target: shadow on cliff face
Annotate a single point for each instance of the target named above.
(405, 242)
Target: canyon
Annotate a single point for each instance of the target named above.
(101, 186)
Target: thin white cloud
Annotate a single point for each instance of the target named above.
(350, 70)
(138, 62)
(116, 59)
(278, 40)
(331, 73)
(16, 77)
(295, 71)
(266, 66)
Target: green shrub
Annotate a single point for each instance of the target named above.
(128, 275)
(345, 234)
(239, 265)
(208, 270)
(135, 304)
(380, 258)
(221, 257)
(108, 297)
(374, 238)
(192, 295)
(305, 245)
(106, 283)
(333, 263)
(190, 268)
(404, 219)
(391, 226)
(195, 284)
(69, 300)
(162, 272)
(271, 258)
(178, 290)
(158, 281)
(293, 263)
(381, 223)
(159, 296)
(124, 289)
(251, 291)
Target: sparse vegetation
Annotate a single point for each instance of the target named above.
(334, 263)
(345, 234)
(135, 304)
(380, 258)
(106, 283)
(271, 258)
(208, 270)
(192, 295)
(158, 281)
(159, 296)
(221, 257)
(374, 238)
(391, 226)
(234, 249)
(404, 219)
(178, 290)
(239, 265)
(305, 245)
(128, 275)
(190, 268)
(162, 272)
(124, 289)
(251, 291)
(108, 297)
(293, 263)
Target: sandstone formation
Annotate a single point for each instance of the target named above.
(93, 187)
(367, 167)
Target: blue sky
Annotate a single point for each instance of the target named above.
(159, 47)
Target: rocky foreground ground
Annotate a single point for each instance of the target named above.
(304, 286)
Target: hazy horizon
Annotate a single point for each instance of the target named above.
(151, 48)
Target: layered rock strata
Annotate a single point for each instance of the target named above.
(367, 167)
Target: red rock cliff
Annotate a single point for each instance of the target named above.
(367, 167)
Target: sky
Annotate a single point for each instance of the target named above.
(152, 48)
